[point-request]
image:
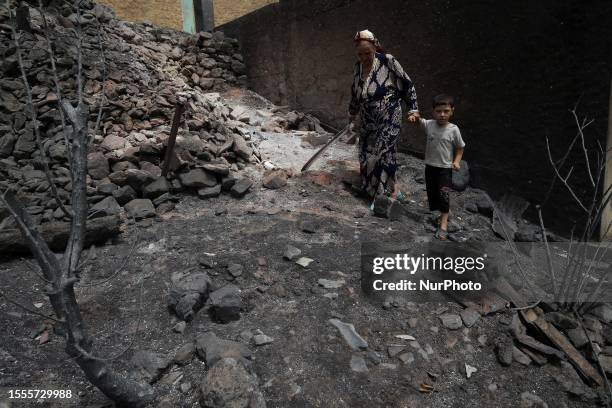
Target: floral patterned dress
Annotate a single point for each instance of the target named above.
(377, 100)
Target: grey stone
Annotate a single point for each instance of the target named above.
(106, 207)
(241, 148)
(291, 253)
(212, 349)
(504, 350)
(262, 339)
(469, 317)
(235, 269)
(113, 142)
(150, 365)
(394, 349)
(308, 226)
(180, 327)
(241, 187)
(406, 358)
(25, 145)
(577, 337)
(124, 195)
(209, 192)
(184, 354)
(331, 284)
(358, 364)
(156, 188)
(197, 178)
(529, 400)
(217, 168)
(572, 383)
(107, 188)
(229, 384)
(603, 312)
(118, 177)
(352, 338)
(97, 165)
(228, 182)
(188, 293)
(451, 321)
(7, 143)
(561, 320)
(140, 208)
(226, 303)
(137, 179)
(275, 179)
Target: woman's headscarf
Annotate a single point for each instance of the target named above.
(367, 35)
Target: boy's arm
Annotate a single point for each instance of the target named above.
(459, 147)
(457, 159)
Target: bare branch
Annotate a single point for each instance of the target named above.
(551, 271)
(34, 117)
(126, 260)
(581, 128)
(564, 181)
(104, 74)
(27, 309)
(58, 90)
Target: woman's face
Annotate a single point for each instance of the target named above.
(365, 52)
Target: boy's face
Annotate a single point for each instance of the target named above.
(442, 114)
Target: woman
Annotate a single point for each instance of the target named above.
(379, 84)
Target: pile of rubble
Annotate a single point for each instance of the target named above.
(138, 75)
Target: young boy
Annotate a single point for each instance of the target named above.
(443, 154)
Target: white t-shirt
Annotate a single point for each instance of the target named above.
(441, 143)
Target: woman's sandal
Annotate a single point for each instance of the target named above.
(401, 197)
(441, 234)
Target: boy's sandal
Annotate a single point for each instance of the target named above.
(441, 234)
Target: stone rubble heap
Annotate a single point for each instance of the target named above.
(147, 70)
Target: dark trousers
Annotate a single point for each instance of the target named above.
(438, 182)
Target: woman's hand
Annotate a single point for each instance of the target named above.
(413, 117)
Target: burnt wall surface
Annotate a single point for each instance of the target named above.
(516, 68)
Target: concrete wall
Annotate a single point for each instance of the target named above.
(515, 68)
(228, 10)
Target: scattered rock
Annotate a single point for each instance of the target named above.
(156, 188)
(292, 253)
(180, 327)
(331, 284)
(212, 349)
(469, 370)
(451, 321)
(352, 338)
(140, 208)
(241, 187)
(97, 165)
(226, 303)
(529, 400)
(469, 317)
(304, 261)
(150, 365)
(197, 178)
(188, 293)
(358, 364)
(229, 384)
(209, 192)
(106, 207)
(275, 179)
(262, 339)
(184, 354)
